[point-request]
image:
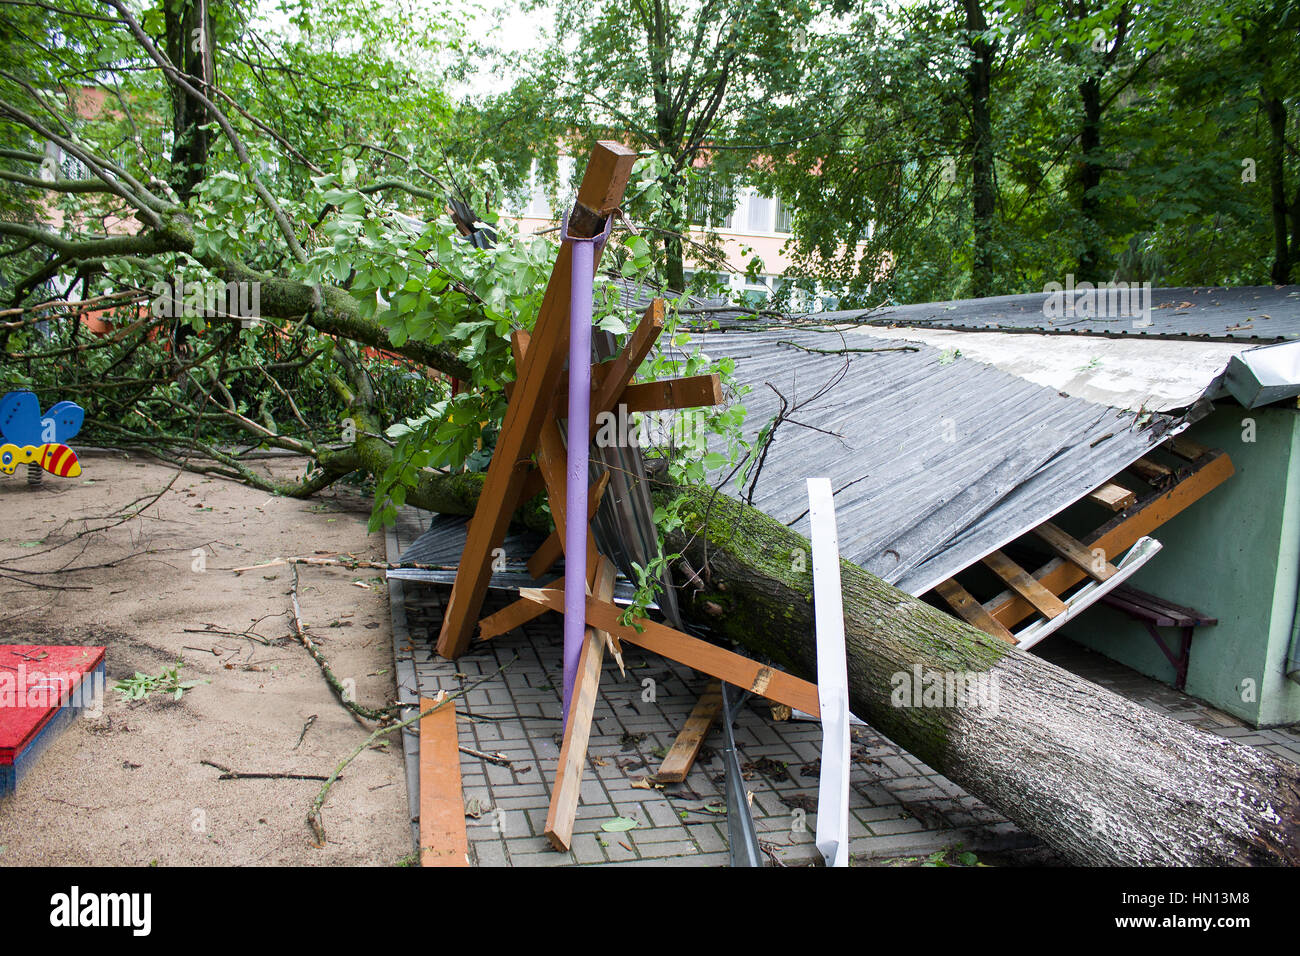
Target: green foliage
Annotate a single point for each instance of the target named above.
(169, 681)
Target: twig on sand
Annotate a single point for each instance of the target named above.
(228, 774)
(314, 812)
(314, 650)
(349, 563)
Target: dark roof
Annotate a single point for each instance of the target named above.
(936, 460)
(1247, 314)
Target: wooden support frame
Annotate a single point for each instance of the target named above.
(970, 610)
(1013, 574)
(1071, 549)
(600, 194)
(1118, 535)
(531, 428)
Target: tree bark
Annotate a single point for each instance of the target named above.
(1282, 255)
(1100, 778)
(188, 38)
(979, 79)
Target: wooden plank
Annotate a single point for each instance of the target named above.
(615, 376)
(1117, 536)
(443, 841)
(715, 661)
(1024, 585)
(693, 391)
(970, 610)
(1113, 496)
(552, 548)
(1070, 548)
(573, 749)
(514, 614)
(530, 402)
(1186, 449)
(681, 756)
(1152, 472)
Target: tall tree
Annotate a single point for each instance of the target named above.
(676, 77)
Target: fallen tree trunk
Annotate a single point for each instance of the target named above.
(1100, 778)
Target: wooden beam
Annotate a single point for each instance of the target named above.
(1113, 496)
(1187, 449)
(970, 610)
(514, 614)
(693, 391)
(1152, 472)
(443, 841)
(1117, 536)
(1070, 548)
(690, 391)
(552, 549)
(715, 661)
(617, 375)
(573, 749)
(1024, 585)
(681, 756)
(601, 193)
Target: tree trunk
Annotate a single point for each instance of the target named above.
(188, 30)
(1276, 111)
(1098, 777)
(1090, 178)
(979, 77)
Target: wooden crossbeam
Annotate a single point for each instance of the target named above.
(1187, 449)
(613, 377)
(668, 394)
(514, 614)
(681, 756)
(1113, 496)
(600, 194)
(1117, 536)
(970, 610)
(443, 841)
(1024, 585)
(693, 391)
(552, 548)
(1152, 472)
(573, 749)
(1070, 548)
(715, 661)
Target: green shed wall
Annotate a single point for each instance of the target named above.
(1234, 555)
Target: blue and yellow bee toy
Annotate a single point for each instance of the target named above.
(29, 437)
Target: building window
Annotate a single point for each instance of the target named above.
(784, 217)
(762, 213)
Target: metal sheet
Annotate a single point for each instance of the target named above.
(935, 460)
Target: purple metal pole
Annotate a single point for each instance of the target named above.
(575, 500)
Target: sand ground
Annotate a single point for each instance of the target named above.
(129, 787)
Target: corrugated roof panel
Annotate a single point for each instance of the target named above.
(936, 460)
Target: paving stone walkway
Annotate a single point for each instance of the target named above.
(899, 807)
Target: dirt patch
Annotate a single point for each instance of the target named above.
(129, 787)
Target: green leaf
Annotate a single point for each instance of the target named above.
(619, 825)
